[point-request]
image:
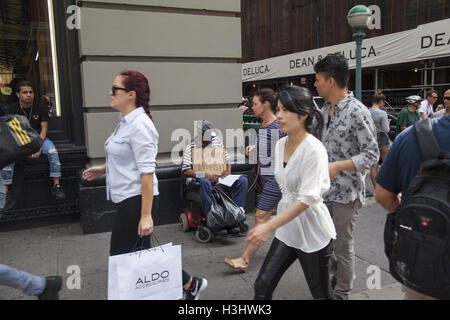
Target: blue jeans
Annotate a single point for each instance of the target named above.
(238, 189)
(48, 149)
(7, 174)
(2, 193)
(29, 284)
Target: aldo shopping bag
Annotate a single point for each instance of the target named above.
(151, 274)
(18, 139)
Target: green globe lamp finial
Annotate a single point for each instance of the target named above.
(359, 16)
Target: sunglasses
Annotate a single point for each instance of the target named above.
(446, 98)
(114, 90)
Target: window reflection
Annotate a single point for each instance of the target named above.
(26, 51)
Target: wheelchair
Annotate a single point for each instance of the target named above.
(193, 217)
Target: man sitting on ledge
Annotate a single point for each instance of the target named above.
(209, 138)
(37, 115)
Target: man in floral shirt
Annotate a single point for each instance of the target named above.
(351, 141)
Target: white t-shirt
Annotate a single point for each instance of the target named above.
(305, 178)
(426, 108)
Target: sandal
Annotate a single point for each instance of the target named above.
(243, 268)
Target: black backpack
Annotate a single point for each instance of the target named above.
(18, 139)
(417, 234)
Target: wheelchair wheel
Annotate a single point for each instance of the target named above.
(204, 234)
(184, 224)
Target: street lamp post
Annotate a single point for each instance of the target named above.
(358, 17)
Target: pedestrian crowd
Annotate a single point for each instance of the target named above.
(312, 168)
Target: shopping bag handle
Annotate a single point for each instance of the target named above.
(142, 247)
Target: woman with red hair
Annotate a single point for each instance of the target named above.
(131, 182)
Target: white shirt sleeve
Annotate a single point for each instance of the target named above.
(423, 107)
(144, 143)
(314, 176)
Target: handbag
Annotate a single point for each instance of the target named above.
(151, 274)
(18, 139)
(224, 212)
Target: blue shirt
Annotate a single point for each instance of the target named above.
(403, 160)
(130, 152)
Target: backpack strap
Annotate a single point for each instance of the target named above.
(428, 145)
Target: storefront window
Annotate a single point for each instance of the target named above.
(28, 52)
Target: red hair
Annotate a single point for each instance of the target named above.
(137, 82)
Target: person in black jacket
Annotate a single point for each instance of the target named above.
(37, 115)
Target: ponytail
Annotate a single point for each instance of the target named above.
(148, 111)
(315, 124)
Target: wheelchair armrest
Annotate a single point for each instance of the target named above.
(190, 181)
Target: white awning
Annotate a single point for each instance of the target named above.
(428, 41)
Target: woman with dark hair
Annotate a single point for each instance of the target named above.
(264, 106)
(303, 225)
(380, 118)
(131, 182)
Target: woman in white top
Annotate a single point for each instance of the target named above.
(130, 167)
(304, 227)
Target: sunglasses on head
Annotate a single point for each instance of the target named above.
(114, 90)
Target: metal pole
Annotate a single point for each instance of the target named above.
(432, 74)
(376, 79)
(359, 36)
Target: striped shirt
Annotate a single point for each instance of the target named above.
(187, 156)
(266, 140)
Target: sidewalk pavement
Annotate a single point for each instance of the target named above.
(54, 249)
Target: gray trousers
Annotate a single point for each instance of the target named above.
(342, 263)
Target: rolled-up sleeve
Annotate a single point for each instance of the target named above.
(365, 132)
(314, 177)
(144, 143)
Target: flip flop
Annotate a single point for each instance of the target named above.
(241, 268)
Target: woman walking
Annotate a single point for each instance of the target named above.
(130, 170)
(381, 121)
(303, 225)
(264, 106)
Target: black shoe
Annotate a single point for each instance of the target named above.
(52, 287)
(58, 193)
(198, 285)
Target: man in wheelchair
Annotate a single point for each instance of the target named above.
(209, 139)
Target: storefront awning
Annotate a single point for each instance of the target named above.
(428, 41)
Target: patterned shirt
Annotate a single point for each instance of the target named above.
(349, 133)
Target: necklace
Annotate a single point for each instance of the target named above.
(27, 116)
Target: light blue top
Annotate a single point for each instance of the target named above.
(130, 152)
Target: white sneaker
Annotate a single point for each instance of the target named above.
(199, 285)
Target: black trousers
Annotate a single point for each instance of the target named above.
(280, 257)
(124, 236)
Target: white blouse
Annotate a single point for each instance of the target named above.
(305, 178)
